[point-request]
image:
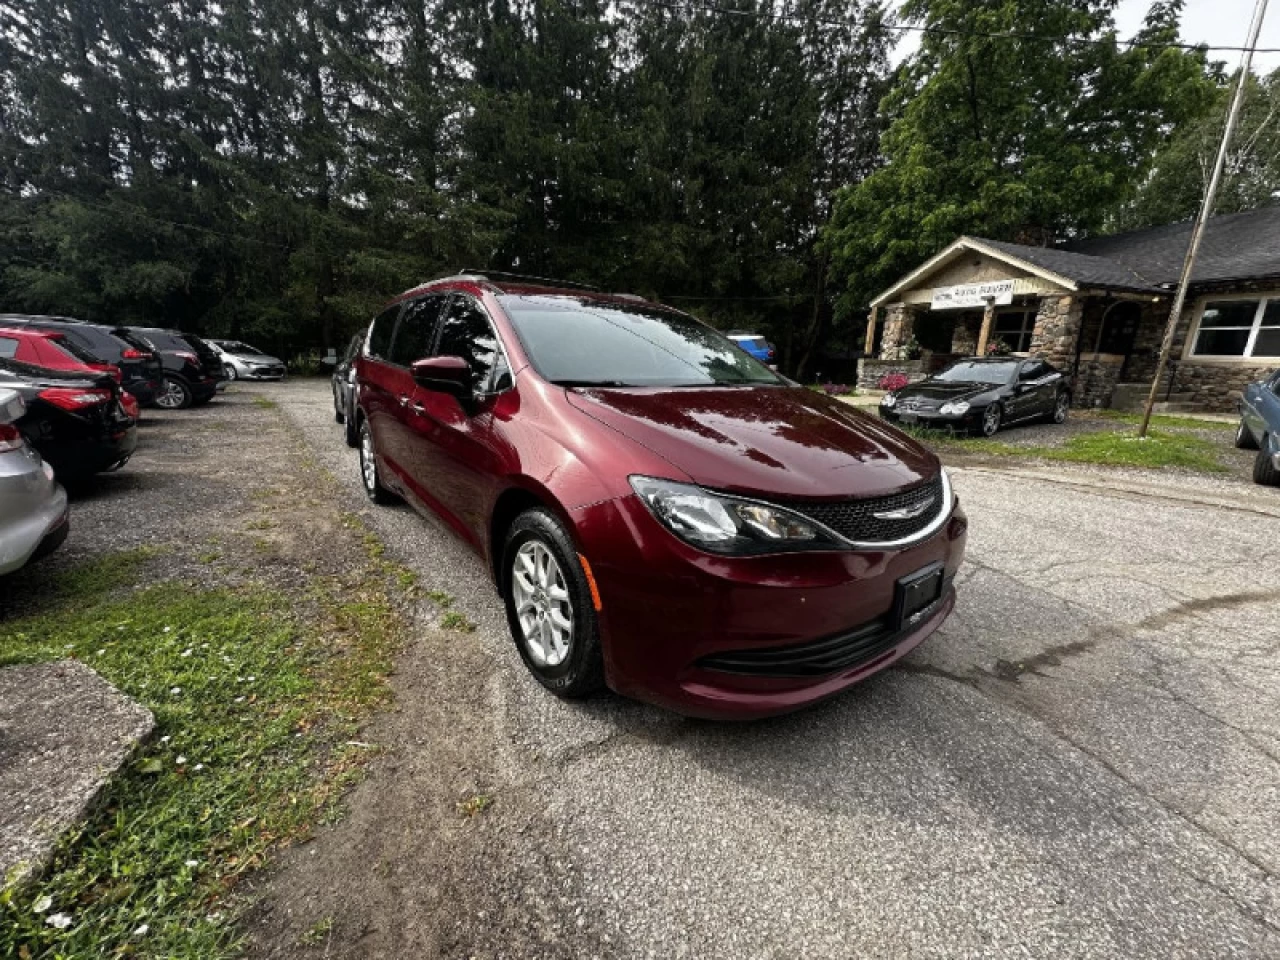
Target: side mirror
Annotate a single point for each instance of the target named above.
(450, 375)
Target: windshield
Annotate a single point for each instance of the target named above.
(236, 347)
(970, 371)
(585, 343)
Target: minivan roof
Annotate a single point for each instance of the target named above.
(520, 284)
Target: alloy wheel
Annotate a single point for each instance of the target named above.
(543, 606)
(230, 371)
(1060, 409)
(368, 468)
(171, 395)
(991, 420)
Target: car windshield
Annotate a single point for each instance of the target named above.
(581, 342)
(978, 371)
(235, 346)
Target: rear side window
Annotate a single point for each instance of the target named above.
(76, 350)
(100, 344)
(417, 329)
(465, 332)
(384, 325)
(8, 348)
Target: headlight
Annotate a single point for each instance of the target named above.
(959, 408)
(888, 400)
(722, 524)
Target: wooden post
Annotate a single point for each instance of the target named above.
(871, 332)
(988, 319)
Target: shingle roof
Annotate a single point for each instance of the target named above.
(1236, 246)
(1087, 271)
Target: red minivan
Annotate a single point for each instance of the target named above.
(660, 511)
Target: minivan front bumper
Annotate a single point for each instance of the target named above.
(742, 637)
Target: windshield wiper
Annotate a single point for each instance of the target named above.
(590, 383)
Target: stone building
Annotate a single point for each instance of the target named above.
(1097, 309)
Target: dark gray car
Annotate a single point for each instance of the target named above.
(33, 506)
(344, 389)
(1260, 428)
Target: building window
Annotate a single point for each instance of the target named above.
(1239, 328)
(1015, 327)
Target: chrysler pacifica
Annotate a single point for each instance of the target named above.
(660, 511)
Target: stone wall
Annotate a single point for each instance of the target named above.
(1217, 386)
(899, 327)
(1056, 330)
(1095, 379)
(870, 371)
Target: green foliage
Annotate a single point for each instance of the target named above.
(1175, 186)
(1031, 140)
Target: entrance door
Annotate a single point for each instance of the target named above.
(1119, 329)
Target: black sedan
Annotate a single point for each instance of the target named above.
(1260, 428)
(981, 395)
(344, 389)
(76, 421)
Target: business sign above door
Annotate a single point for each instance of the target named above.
(999, 292)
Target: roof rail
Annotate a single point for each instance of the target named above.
(525, 278)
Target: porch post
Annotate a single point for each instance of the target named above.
(871, 332)
(988, 319)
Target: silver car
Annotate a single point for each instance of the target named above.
(34, 518)
(243, 362)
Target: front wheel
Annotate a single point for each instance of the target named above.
(1244, 438)
(338, 415)
(173, 394)
(230, 371)
(550, 607)
(990, 423)
(369, 477)
(1264, 470)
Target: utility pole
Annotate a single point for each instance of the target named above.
(1206, 210)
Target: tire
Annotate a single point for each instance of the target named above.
(567, 661)
(1244, 438)
(338, 415)
(230, 371)
(174, 394)
(369, 474)
(350, 433)
(992, 417)
(1061, 408)
(1264, 471)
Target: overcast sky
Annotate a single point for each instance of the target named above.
(1214, 22)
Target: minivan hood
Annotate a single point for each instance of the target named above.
(764, 441)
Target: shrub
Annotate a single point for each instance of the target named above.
(893, 381)
(837, 389)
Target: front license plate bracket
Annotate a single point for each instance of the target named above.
(916, 593)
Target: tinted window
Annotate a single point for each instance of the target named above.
(76, 350)
(384, 325)
(8, 347)
(583, 342)
(99, 343)
(163, 341)
(465, 332)
(417, 329)
(238, 348)
(970, 371)
(1034, 371)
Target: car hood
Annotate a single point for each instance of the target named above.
(254, 357)
(764, 441)
(944, 390)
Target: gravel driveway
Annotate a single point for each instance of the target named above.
(1085, 762)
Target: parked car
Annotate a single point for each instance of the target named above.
(344, 389)
(1260, 428)
(982, 395)
(192, 369)
(660, 511)
(243, 362)
(76, 421)
(34, 518)
(139, 365)
(756, 345)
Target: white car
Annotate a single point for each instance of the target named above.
(243, 362)
(33, 506)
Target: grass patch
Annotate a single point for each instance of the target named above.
(1163, 420)
(265, 403)
(475, 805)
(1128, 450)
(254, 706)
(453, 620)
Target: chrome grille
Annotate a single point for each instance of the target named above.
(856, 519)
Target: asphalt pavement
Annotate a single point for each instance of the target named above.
(1084, 762)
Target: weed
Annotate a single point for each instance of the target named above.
(475, 804)
(265, 403)
(440, 598)
(317, 933)
(453, 620)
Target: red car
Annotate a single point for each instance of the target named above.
(51, 350)
(660, 511)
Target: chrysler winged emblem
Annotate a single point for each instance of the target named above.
(906, 513)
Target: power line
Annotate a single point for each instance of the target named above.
(687, 5)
